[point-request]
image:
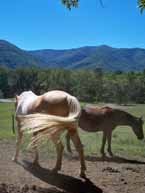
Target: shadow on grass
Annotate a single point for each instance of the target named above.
(66, 183)
(116, 159)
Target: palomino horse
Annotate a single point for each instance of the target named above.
(106, 119)
(48, 115)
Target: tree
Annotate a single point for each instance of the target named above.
(74, 3)
(4, 81)
(141, 4)
(70, 3)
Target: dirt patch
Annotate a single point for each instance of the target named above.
(112, 175)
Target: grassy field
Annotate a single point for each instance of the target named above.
(6, 111)
(124, 141)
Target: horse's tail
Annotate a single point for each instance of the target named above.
(51, 124)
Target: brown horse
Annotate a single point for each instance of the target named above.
(106, 119)
(48, 115)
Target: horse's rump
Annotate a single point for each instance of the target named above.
(48, 124)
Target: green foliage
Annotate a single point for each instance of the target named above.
(88, 85)
(74, 3)
(70, 3)
(141, 4)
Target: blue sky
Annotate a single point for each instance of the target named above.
(41, 24)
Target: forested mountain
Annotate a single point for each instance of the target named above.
(92, 57)
(12, 56)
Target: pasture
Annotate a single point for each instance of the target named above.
(124, 141)
(124, 174)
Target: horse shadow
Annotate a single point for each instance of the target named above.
(116, 159)
(66, 183)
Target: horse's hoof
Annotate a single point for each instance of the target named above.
(111, 154)
(14, 159)
(36, 164)
(55, 170)
(104, 156)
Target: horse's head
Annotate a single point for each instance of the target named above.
(138, 128)
(23, 96)
(17, 98)
(23, 101)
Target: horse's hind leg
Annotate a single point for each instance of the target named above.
(79, 147)
(59, 150)
(68, 146)
(36, 158)
(18, 143)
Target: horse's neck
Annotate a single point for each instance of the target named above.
(124, 118)
(131, 120)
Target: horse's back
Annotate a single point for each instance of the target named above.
(55, 97)
(54, 102)
(94, 118)
(98, 110)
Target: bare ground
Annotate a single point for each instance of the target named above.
(113, 175)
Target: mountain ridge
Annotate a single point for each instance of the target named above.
(92, 57)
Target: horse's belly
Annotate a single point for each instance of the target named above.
(88, 126)
(90, 129)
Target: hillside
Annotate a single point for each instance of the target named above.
(12, 56)
(91, 57)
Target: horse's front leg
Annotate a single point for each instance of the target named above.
(59, 150)
(103, 144)
(109, 138)
(18, 143)
(79, 148)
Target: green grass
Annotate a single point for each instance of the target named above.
(124, 141)
(6, 111)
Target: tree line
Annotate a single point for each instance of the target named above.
(88, 85)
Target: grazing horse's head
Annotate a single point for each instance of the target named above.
(137, 127)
